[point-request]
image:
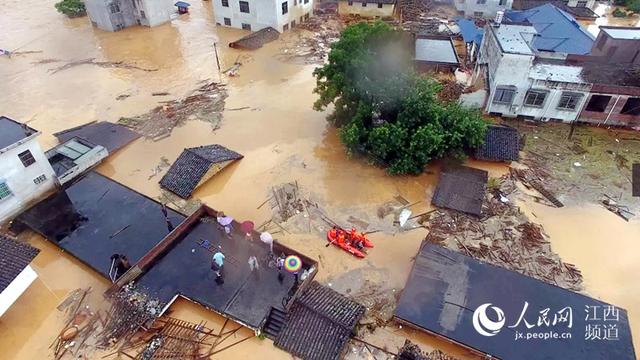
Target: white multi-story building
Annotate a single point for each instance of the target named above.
(114, 15)
(482, 8)
(254, 15)
(25, 172)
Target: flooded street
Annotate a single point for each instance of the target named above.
(282, 139)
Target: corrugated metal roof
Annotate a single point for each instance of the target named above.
(14, 257)
(470, 32)
(436, 51)
(557, 30)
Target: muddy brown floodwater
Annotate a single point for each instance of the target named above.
(282, 140)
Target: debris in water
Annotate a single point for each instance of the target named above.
(103, 64)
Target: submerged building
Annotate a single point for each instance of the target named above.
(114, 15)
(368, 9)
(255, 15)
(25, 172)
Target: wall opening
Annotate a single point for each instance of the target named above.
(598, 103)
(631, 107)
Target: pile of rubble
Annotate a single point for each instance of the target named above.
(411, 351)
(503, 237)
(206, 104)
(313, 45)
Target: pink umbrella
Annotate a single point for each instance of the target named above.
(247, 227)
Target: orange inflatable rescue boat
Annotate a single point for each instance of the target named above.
(351, 241)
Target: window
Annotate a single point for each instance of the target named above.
(246, 26)
(306, 17)
(227, 21)
(295, 2)
(598, 103)
(364, 3)
(502, 2)
(40, 179)
(5, 192)
(306, 1)
(504, 96)
(293, 24)
(478, 14)
(569, 101)
(225, 3)
(285, 27)
(285, 7)
(26, 158)
(244, 7)
(301, 19)
(379, 5)
(581, 4)
(143, 15)
(350, 3)
(535, 98)
(631, 107)
(481, 2)
(114, 8)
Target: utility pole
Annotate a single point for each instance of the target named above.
(215, 49)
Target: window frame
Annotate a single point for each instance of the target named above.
(537, 93)
(248, 8)
(225, 3)
(576, 96)
(5, 190)
(364, 3)
(481, 2)
(503, 90)
(245, 26)
(40, 179)
(478, 14)
(224, 20)
(26, 158)
(379, 5)
(285, 7)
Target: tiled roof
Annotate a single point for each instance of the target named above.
(461, 188)
(256, 39)
(557, 30)
(14, 257)
(192, 165)
(319, 324)
(502, 143)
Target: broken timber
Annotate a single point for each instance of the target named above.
(546, 193)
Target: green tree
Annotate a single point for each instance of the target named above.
(384, 109)
(71, 8)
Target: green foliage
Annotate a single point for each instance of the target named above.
(619, 13)
(386, 111)
(634, 5)
(494, 183)
(71, 8)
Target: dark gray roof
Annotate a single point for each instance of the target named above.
(461, 188)
(14, 257)
(319, 324)
(257, 39)
(111, 136)
(388, 2)
(192, 165)
(12, 131)
(502, 143)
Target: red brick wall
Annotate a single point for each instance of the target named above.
(615, 118)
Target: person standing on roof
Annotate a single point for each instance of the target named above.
(217, 263)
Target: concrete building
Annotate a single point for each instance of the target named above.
(114, 15)
(367, 9)
(618, 45)
(254, 15)
(75, 157)
(522, 82)
(482, 8)
(25, 173)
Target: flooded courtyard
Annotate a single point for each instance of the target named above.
(269, 119)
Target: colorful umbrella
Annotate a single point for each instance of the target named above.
(292, 264)
(247, 227)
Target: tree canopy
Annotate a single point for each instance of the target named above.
(384, 109)
(71, 8)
